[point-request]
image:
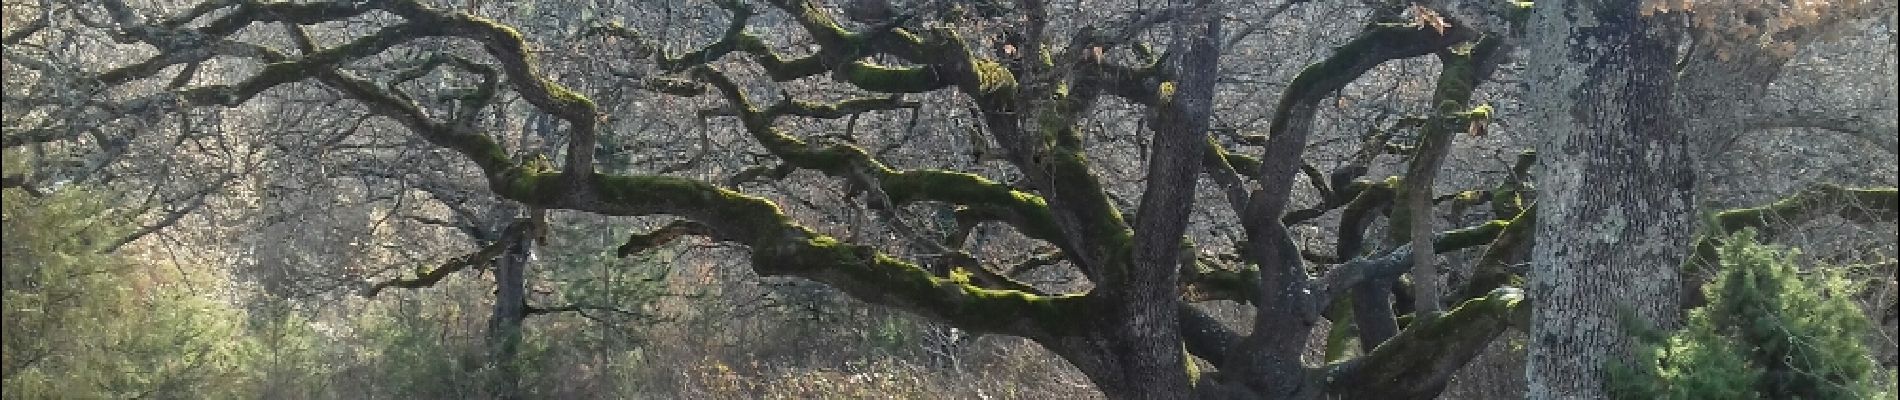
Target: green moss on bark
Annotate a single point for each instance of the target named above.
(886, 79)
(1028, 212)
(1420, 360)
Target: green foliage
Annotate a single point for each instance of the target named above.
(590, 272)
(83, 324)
(290, 363)
(1766, 333)
(414, 353)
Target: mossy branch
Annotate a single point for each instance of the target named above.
(1516, 193)
(1205, 281)
(878, 278)
(781, 247)
(480, 259)
(672, 231)
(1342, 185)
(1358, 215)
(1027, 212)
(1419, 362)
(957, 265)
(1224, 168)
(1458, 77)
(1268, 240)
(1495, 267)
(1293, 116)
(1861, 205)
(1337, 280)
(468, 101)
(945, 60)
(510, 49)
(483, 150)
(179, 46)
(282, 70)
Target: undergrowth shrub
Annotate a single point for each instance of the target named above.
(1767, 332)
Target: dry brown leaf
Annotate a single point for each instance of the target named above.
(1426, 17)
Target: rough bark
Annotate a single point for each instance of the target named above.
(1418, 363)
(504, 325)
(1269, 363)
(1615, 187)
(1462, 68)
(1154, 359)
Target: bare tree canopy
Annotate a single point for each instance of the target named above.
(1173, 199)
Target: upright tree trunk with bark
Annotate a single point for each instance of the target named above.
(1145, 343)
(1616, 190)
(504, 325)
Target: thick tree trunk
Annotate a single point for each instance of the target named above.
(1147, 357)
(1616, 191)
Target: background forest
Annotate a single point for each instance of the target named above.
(949, 199)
